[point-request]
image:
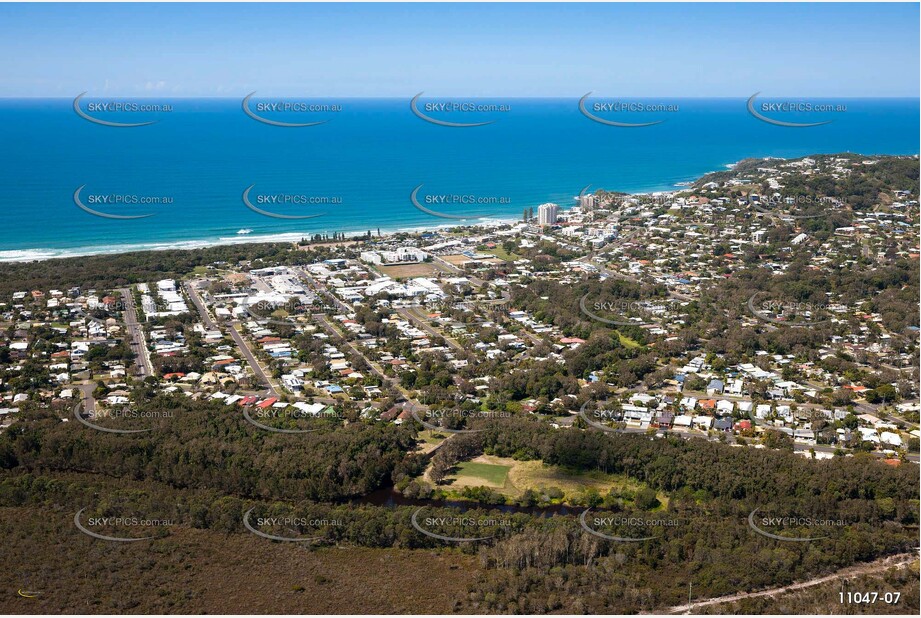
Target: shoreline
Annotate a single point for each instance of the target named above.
(42, 254)
(19, 256)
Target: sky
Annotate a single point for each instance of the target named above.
(472, 50)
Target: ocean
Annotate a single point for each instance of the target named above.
(359, 168)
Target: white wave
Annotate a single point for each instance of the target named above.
(35, 255)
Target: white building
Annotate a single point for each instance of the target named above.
(547, 213)
(401, 256)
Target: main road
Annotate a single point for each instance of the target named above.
(138, 341)
(236, 336)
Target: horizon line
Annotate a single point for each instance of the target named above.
(513, 97)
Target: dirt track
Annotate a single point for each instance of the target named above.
(899, 560)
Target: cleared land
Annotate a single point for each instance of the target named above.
(512, 478)
(429, 440)
(493, 475)
(408, 271)
(456, 259)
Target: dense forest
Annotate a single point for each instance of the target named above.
(205, 445)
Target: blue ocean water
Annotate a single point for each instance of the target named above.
(369, 156)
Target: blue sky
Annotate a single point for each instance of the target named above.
(385, 50)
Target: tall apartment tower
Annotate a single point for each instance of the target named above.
(547, 213)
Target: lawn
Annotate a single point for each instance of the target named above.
(502, 254)
(428, 440)
(512, 478)
(494, 475)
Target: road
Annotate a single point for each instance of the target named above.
(331, 329)
(202, 310)
(533, 338)
(411, 315)
(619, 275)
(321, 289)
(136, 330)
(89, 403)
(900, 561)
(252, 360)
(236, 336)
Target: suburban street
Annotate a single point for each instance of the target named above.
(136, 331)
(410, 313)
(248, 354)
(202, 310)
(252, 360)
(331, 329)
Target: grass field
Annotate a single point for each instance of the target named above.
(512, 478)
(502, 254)
(494, 475)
